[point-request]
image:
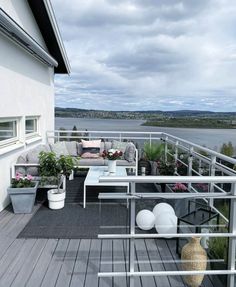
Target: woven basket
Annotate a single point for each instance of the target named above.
(194, 258)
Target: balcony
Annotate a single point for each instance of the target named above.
(129, 258)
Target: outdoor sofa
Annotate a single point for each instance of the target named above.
(27, 162)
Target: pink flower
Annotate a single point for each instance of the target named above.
(18, 176)
(29, 177)
(179, 187)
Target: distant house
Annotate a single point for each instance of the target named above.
(31, 52)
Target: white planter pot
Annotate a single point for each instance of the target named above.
(112, 166)
(56, 200)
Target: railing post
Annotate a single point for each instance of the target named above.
(212, 173)
(132, 240)
(232, 240)
(176, 155)
(166, 148)
(190, 166)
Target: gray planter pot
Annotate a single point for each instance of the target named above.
(23, 198)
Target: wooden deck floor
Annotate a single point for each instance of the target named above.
(64, 262)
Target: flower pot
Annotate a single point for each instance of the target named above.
(194, 259)
(56, 200)
(23, 199)
(112, 166)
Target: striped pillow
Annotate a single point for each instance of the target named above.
(91, 146)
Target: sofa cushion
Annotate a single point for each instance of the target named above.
(33, 157)
(129, 154)
(21, 159)
(123, 162)
(91, 162)
(79, 148)
(72, 148)
(59, 148)
(120, 146)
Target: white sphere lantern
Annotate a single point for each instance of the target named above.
(166, 224)
(145, 219)
(161, 208)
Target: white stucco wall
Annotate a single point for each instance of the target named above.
(20, 11)
(27, 88)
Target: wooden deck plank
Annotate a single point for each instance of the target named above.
(10, 254)
(93, 264)
(17, 263)
(119, 263)
(80, 268)
(29, 263)
(106, 264)
(166, 255)
(41, 266)
(55, 264)
(144, 263)
(66, 272)
(154, 257)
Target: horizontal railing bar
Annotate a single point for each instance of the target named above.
(166, 273)
(152, 261)
(169, 179)
(172, 195)
(219, 155)
(156, 235)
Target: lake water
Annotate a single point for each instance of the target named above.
(212, 138)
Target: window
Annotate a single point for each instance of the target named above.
(31, 126)
(8, 131)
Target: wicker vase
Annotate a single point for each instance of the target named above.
(194, 258)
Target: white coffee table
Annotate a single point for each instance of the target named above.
(92, 178)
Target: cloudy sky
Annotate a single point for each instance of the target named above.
(148, 54)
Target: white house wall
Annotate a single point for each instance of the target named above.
(20, 11)
(27, 89)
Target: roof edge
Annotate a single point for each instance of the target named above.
(55, 28)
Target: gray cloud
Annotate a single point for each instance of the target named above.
(152, 54)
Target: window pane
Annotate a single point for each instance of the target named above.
(7, 130)
(31, 126)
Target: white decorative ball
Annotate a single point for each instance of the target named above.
(145, 219)
(161, 208)
(166, 224)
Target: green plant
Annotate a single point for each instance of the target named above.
(52, 168)
(166, 167)
(227, 149)
(153, 151)
(48, 164)
(218, 246)
(65, 164)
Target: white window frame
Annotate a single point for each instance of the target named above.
(36, 132)
(12, 140)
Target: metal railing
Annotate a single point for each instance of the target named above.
(133, 196)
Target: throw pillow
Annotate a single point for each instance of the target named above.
(129, 154)
(59, 148)
(33, 157)
(120, 146)
(89, 155)
(72, 148)
(91, 146)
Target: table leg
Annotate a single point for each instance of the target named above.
(127, 200)
(84, 204)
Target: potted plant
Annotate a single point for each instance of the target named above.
(112, 155)
(153, 152)
(217, 250)
(51, 166)
(179, 187)
(22, 193)
(165, 168)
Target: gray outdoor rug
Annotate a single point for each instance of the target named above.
(73, 221)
